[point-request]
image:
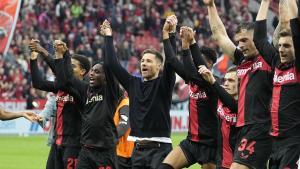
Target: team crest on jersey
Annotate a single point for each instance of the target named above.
(95, 98)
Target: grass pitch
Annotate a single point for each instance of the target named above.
(31, 152)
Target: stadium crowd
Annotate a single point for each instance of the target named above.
(136, 24)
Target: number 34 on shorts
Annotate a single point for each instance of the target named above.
(246, 148)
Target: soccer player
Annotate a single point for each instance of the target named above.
(68, 118)
(285, 105)
(99, 100)
(254, 143)
(150, 100)
(226, 111)
(199, 146)
(7, 115)
(124, 147)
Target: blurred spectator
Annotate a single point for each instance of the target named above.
(137, 24)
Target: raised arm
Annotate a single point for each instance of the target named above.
(219, 31)
(173, 60)
(286, 10)
(37, 81)
(295, 28)
(188, 41)
(110, 57)
(45, 55)
(224, 96)
(187, 38)
(267, 50)
(170, 53)
(68, 82)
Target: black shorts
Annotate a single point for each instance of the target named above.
(91, 158)
(198, 152)
(285, 153)
(254, 146)
(51, 158)
(65, 157)
(124, 163)
(150, 155)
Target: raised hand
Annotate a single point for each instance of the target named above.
(35, 47)
(105, 28)
(208, 2)
(206, 74)
(187, 35)
(170, 24)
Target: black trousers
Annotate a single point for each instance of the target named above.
(149, 155)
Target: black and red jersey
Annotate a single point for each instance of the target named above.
(227, 132)
(227, 135)
(285, 110)
(203, 121)
(285, 106)
(202, 117)
(68, 120)
(255, 89)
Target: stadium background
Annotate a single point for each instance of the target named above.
(137, 25)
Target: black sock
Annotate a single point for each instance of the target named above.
(165, 166)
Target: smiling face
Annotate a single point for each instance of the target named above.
(97, 75)
(244, 40)
(150, 66)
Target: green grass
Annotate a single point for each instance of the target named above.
(31, 152)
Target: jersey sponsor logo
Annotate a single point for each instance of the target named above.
(225, 115)
(283, 77)
(242, 72)
(196, 93)
(96, 98)
(66, 98)
(255, 66)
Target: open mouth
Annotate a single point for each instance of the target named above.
(144, 69)
(92, 80)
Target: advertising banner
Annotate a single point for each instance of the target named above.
(9, 11)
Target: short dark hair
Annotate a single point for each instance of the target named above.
(209, 53)
(84, 62)
(245, 25)
(97, 62)
(285, 33)
(154, 52)
(232, 69)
